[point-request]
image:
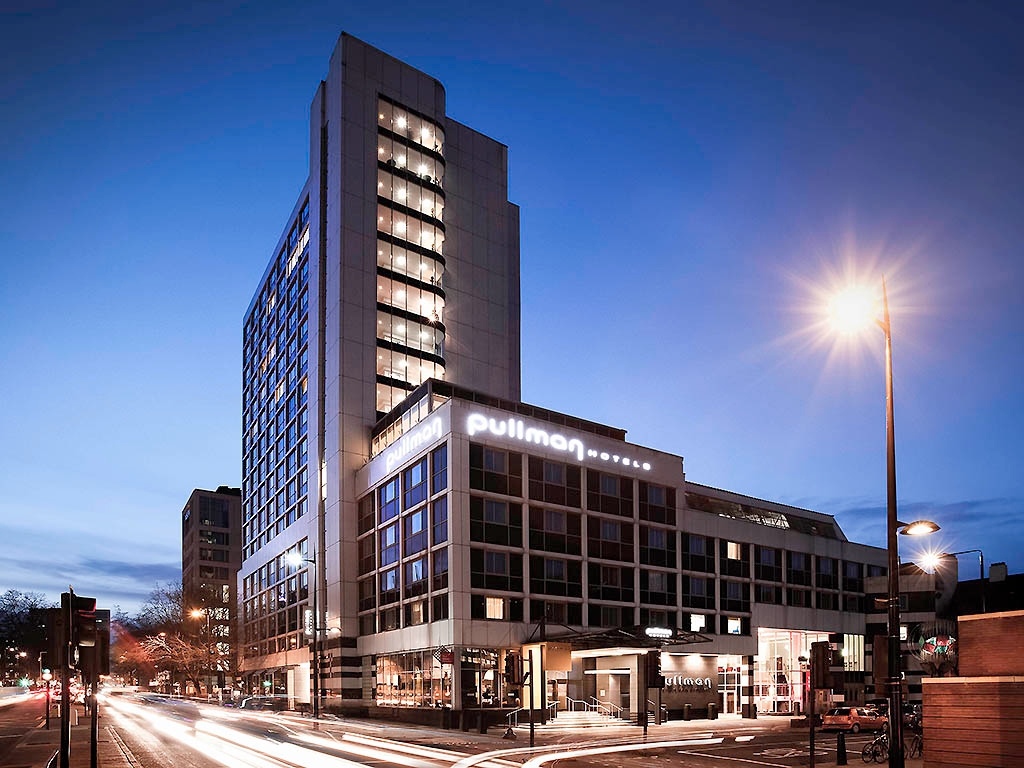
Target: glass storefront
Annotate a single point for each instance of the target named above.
(730, 684)
(414, 679)
(780, 669)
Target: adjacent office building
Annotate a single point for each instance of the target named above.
(211, 554)
(443, 525)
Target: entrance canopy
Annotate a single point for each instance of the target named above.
(630, 637)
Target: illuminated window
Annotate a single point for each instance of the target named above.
(698, 622)
(733, 550)
(735, 626)
(495, 608)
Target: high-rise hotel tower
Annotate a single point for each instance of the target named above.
(398, 263)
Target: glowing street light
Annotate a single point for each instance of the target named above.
(296, 559)
(930, 561)
(850, 311)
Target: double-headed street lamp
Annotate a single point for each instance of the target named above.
(296, 559)
(852, 310)
(930, 561)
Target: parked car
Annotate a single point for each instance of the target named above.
(853, 719)
(271, 703)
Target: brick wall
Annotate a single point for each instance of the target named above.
(990, 644)
(973, 722)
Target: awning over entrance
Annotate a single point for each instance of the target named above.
(629, 637)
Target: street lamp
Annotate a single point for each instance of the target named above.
(296, 559)
(930, 561)
(851, 310)
(198, 613)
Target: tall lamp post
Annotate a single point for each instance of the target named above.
(851, 310)
(296, 559)
(198, 613)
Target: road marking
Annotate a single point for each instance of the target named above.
(539, 761)
(705, 755)
(744, 738)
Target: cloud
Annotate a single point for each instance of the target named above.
(45, 559)
(994, 525)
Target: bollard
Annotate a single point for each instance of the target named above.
(841, 749)
(712, 711)
(687, 714)
(483, 721)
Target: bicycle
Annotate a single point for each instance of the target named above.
(876, 750)
(916, 746)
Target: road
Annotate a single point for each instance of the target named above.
(18, 715)
(163, 734)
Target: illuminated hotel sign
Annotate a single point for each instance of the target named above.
(688, 683)
(516, 429)
(409, 443)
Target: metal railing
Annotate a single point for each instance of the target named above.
(513, 716)
(605, 707)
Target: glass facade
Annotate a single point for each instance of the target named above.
(275, 361)
(410, 243)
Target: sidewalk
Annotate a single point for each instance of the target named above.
(37, 747)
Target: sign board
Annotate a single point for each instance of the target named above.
(307, 622)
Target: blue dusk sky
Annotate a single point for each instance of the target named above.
(692, 177)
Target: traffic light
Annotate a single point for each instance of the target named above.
(821, 661)
(653, 669)
(513, 669)
(56, 637)
(95, 650)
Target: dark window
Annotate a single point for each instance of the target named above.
(657, 617)
(367, 594)
(495, 471)
(440, 607)
(610, 582)
(798, 597)
(439, 559)
(610, 494)
(828, 601)
(555, 530)
(367, 555)
(735, 596)
(366, 519)
(657, 587)
(609, 616)
(561, 613)
(554, 576)
(439, 469)
(496, 570)
(798, 569)
(827, 576)
(697, 553)
(554, 482)
(853, 577)
(657, 546)
(610, 539)
(439, 513)
(414, 483)
(495, 522)
(698, 592)
(657, 503)
(768, 593)
(767, 564)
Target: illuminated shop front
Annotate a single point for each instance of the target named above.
(780, 669)
(414, 679)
